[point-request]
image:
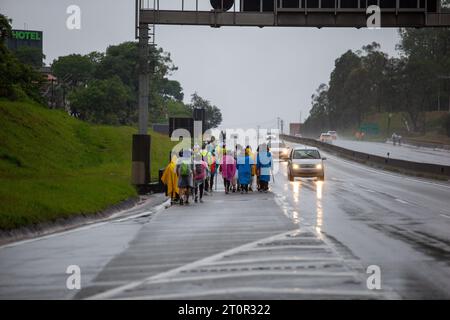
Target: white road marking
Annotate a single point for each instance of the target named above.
(86, 227)
(401, 201)
(445, 216)
(362, 167)
(265, 273)
(310, 292)
(192, 265)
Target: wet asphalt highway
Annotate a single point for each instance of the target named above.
(399, 223)
(403, 152)
(305, 239)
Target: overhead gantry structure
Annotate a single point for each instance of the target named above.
(292, 13)
(262, 13)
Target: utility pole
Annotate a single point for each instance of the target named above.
(144, 57)
(257, 135)
(140, 171)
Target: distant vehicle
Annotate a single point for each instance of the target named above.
(298, 135)
(270, 137)
(333, 134)
(305, 162)
(326, 137)
(279, 150)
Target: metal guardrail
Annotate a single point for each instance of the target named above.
(409, 167)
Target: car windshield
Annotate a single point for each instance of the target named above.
(306, 154)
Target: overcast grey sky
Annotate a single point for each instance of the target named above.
(254, 75)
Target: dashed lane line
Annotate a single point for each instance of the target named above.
(116, 291)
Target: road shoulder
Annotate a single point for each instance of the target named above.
(122, 209)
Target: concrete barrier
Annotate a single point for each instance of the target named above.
(409, 167)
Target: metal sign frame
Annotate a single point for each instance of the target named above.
(150, 12)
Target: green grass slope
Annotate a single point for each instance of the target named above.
(53, 166)
(434, 124)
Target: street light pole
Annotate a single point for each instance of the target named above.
(140, 166)
(143, 78)
(257, 136)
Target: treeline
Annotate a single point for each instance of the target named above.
(17, 80)
(100, 87)
(103, 87)
(368, 81)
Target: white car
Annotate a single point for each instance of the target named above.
(270, 137)
(333, 134)
(326, 137)
(279, 150)
(305, 161)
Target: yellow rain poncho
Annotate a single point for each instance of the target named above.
(170, 178)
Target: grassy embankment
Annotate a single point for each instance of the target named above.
(434, 124)
(53, 166)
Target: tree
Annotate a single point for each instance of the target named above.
(212, 113)
(5, 29)
(103, 101)
(368, 81)
(393, 85)
(430, 46)
(339, 106)
(171, 89)
(122, 60)
(319, 114)
(374, 62)
(357, 100)
(30, 55)
(177, 109)
(75, 68)
(17, 80)
(416, 90)
(427, 60)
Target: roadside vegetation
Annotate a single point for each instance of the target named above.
(53, 166)
(367, 87)
(73, 156)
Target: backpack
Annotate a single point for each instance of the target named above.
(198, 169)
(184, 169)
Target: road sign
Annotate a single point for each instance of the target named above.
(295, 13)
(27, 38)
(370, 128)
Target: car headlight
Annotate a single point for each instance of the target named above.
(296, 166)
(318, 166)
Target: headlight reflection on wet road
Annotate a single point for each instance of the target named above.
(296, 189)
(319, 209)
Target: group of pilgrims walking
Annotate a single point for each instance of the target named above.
(194, 172)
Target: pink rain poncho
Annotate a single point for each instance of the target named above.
(228, 167)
